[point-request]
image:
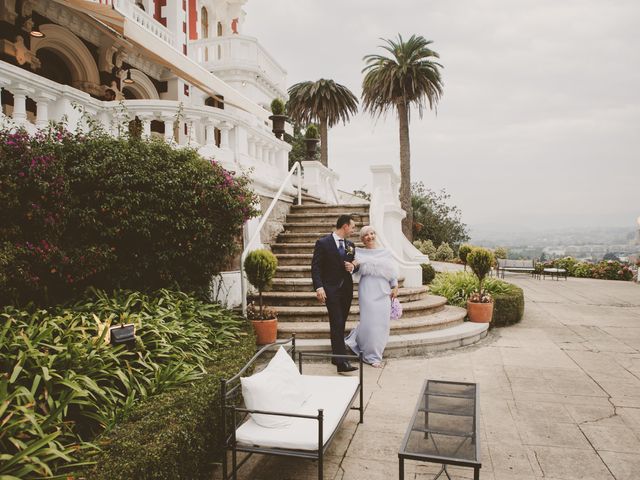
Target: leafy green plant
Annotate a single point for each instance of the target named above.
(508, 308)
(444, 253)
(277, 106)
(463, 252)
(260, 267)
(500, 252)
(428, 273)
(61, 383)
(427, 247)
(85, 209)
(311, 132)
(480, 260)
(457, 287)
(174, 435)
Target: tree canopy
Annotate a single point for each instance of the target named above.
(434, 218)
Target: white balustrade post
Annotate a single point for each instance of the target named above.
(168, 130)
(42, 110)
(210, 133)
(252, 147)
(146, 124)
(224, 135)
(19, 105)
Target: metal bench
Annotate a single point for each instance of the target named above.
(507, 265)
(309, 436)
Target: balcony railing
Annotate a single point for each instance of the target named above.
(130, 10)
(237, 51)
(236, 138)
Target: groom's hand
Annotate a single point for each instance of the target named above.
(349, 267)
(320, 295)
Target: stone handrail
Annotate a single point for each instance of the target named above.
(321, 182)
(385, 215)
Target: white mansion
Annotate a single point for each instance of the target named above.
(183, 69)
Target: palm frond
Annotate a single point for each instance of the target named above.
(406, 74)
(313, 102)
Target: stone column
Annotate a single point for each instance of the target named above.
(210, 132)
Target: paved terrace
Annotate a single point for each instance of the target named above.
(559, 395)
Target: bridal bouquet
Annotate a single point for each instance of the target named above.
(396, 309)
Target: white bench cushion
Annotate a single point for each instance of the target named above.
(277, 388)
(333, 394)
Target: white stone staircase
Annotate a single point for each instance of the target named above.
(427, 322)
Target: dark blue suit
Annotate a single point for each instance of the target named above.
(327, 271)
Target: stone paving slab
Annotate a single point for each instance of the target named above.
(559, 395)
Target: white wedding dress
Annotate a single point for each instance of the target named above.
(378, 273)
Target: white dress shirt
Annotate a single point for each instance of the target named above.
(337, 239)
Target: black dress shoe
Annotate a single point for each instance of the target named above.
(346, 367)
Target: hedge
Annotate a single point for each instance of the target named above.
(508, 308)
(86, 209)
(174, 435)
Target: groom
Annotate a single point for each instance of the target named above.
(331, 270)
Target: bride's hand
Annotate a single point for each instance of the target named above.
(394, 292)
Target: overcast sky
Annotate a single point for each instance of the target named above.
(539, 123)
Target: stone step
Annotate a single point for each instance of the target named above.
(299, 247)
(322, 217)
(428, 305)
(290, 259)
(308, 299)
(308, 237)
(310, 200)
(337, 210)
(305, 284)
(313, 227)
(446, 317)
(421, 343)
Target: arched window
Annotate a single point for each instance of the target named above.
(219, 29)
(204, 22)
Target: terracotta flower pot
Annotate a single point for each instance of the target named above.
(266, 330)
(480, 312)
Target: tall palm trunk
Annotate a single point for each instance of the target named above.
(405, 169)
(324, 139)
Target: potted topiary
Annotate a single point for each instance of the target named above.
(278, 118)
(260, 267)
(311, 138)
(480, 303)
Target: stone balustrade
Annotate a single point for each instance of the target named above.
(238, 52)
(244, 141)
(321, 182)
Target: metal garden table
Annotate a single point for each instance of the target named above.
(444, 427)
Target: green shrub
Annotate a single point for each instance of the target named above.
(312, 132)
(61, 384)
(428, 273)
(568, 263)
(463, 253)
(444, 253)
(277, 106)
(83, 210)
(427, 247)
(174, 435)
(583, 270)
(458, 286)
(480, 260)
(508, 308)
(260, 267)
(501, 252)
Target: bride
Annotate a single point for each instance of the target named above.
(378, 285)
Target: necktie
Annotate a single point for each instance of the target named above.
(341, 248)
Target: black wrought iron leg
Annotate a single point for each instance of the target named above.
(320, 468)
(476, 473)
(234, 464)
(401, 467)
(224, 464)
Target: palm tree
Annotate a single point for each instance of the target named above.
(407, 76)
(324, 102)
